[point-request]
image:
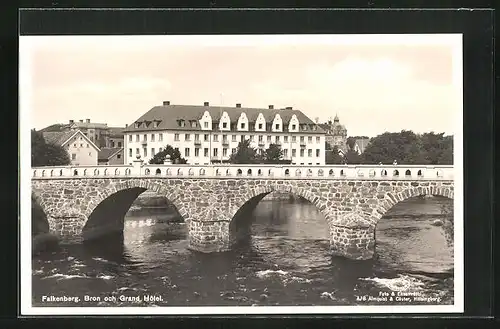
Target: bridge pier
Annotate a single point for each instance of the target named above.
(352, 236)
(68, 229)
(209, 236)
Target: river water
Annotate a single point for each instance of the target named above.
(286, 262)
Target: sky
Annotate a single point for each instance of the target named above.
(374, 83)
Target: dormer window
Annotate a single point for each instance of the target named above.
(155, 124)
(224, 125)
(182, 123)
(315, 127)
(137, 124)
(277, 126)
(193, 124)
(205, 124)
(242, 125)
(260, 125)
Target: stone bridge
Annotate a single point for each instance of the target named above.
(83, 202)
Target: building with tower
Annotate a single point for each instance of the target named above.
(336, 134)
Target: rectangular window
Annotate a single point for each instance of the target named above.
(309, 153)
(216, 152)
(277, 127)
(285, 153)
(196, 137)
(269, 139)
(119, 144)
(317, 153)
(130, 152)
(242, 125)
(294, 139)
(152, 137)
(302, 139)
(176, 137)
(224, 138)
(160, 137)
(186, 152)
(260, 125)
(302, 153)
(136, 138)
(137, 151)
(251, 138)
(233, 150)
(277, 139)
(187, 137)
(242, 138)
(153, 151)
(309, 139)
(285, 139)
(216, 138)
(224, 152)
(294, 127)
(294, 153)
(234, 138)
(224, 125)
(145, 152)
(145, 137)
(88, 145)
(205, 137)
(317, 139)
(261, 138)
(205, 152)
(205, 124)
(196, 152)
(193, 124)
(129, 138)
(73, 156)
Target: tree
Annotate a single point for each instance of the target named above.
(352, 157)
(351, 142)
(437, 148)
(333, 157)
(175, 156)
(328, 146)
(245, 154)
(404, 147)
(273, 154)
(46, 154)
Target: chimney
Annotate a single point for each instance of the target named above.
(166, 103)
(81, 121)
(71, 121)
(126, 125)
(238, 105)
(88, 120)
(271, 107)
(289, 107)
(206, 104)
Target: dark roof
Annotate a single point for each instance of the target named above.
(107, 152)
(168, 115)
(57, 137)
(116, 131)
(55, 127)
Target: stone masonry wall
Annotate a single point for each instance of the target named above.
(352, 208)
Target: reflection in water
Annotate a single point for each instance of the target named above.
(286, 262)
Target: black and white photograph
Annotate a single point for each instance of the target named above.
(241, 174)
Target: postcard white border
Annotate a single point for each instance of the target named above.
(25, 71)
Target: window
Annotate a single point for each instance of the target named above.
(242, 138)
(285, 153)
(130, 152)
(224, 152)
(294, 139)
(205, 124)
(216, 152)
(260, 125)
(252, 137)
(187, 137)
(153, 151)
(317, 139)
(216, 138)
(196, 137)
(269, 139)
(136, 138)
(137, 124)
(260, 138)
(233, 150)
(242, 125)
(309, 139)
(90, 154)
(294, 153)
(160, 149)
(137, 151)
(160, 137)
(196, 152)
(302, 153)
(224, 125)
(129, 138)
(145, 137)
(205, 137)
(182, 123)
(309, 153)
(294, 127)
(145, 152)
(119, 144)
(186, 152)
(118, 156)
(302, 139)
(74, 145)
(152, 137)
(234, 138)
(317, 153)
(176, 137)
(73, 156)
(285, 139)
(277, 126)
(81, 145)
(205, 152)
(277, 139)
(193, 124)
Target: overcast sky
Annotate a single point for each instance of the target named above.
(373, 83)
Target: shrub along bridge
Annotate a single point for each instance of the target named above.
(86, 201)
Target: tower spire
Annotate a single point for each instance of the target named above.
(336, 119)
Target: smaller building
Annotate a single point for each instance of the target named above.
(114, 137)
(111, 156)
(336, 134)
(82, 151)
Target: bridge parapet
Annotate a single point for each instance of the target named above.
(358, 172)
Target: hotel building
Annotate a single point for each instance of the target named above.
(206, 134)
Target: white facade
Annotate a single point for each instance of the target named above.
(201, 147)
